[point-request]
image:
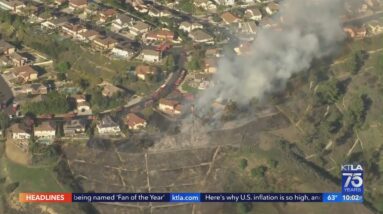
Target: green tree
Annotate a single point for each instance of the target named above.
(356, 114)
(4, 121)
(328, 92)
(53, 103)
(273, 163)
(170, 63)
(259, 171)
(84, 84)
(63, 67)
(244, 208)
(243, 163)
(359, 58)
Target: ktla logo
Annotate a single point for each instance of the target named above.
(352, 179)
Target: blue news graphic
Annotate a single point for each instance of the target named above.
(185, 197)
(337, 197)
(352, 179)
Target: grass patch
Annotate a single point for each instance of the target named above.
(32, 179)
(189, 89)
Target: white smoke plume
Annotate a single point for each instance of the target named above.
(310, 29)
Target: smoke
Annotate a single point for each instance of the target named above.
(307, 30)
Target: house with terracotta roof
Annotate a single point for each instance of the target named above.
(6, 48)
(228, 18)
(78, 4)
(135, 122)
(87, 36)
(72, 29)
(142, 71)
(355, 32)
(25, 73)
(160, 35)
(170, 106)
(45, 131)
(122, 21)
(107, 14)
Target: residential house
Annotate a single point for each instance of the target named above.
(122, 21)
(123, 50)
(160, 35)
(17, 59)
(158, 13)
(248, 27)
(142, 71)
(170, 106)
(213, 52)
(374, 27)
(272, 8)
(6, 48)
(254, 14)
(45, 131)
(243, 48)
(149, 55)
(104, 43)
(78, 4)
(19, 132)
(109, 90)
(206, 5)
(189, 26)
(83, 107)
(21, 136)
(87, 36)
(211, 65)
(228, 18)
(108, 127)
(25, 73)
(34, 89)
(13, 5)
(225, 2)
(139, 28)
(74, 127)
(107, 14)
(134, 122)
(72, 29)
(356, 32)
(200, 36)
(54, 23)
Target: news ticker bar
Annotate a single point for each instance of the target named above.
(188, 197)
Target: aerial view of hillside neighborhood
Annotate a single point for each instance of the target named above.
(158, 96)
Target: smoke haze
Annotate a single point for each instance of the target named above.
(310, 29)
